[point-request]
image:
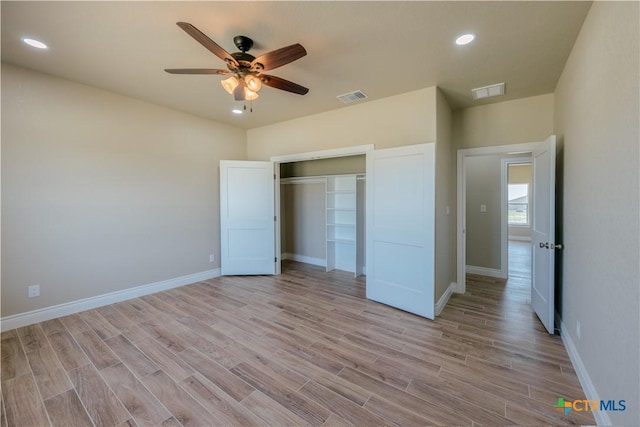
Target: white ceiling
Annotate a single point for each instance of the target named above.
(381, 48)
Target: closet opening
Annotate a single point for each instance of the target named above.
(322, 213)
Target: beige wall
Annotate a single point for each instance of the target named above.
(483, 228)
(399, 120)
(510, 122)
(445, 191)
(596, 120)
(101, 192)
(304, 224)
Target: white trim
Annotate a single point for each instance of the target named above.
(483, 271)
(276, 211)
(523, 148)
(48, 313)
(324, 154)
(461, 227)
(442, 302)
(306, 259)
(602, 418)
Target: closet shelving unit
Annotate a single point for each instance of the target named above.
(344, 212)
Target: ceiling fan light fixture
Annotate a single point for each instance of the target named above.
(250, 95)
(230, 84)
(253, 82)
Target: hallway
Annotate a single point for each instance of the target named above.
(520, 269)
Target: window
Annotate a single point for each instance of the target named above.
(518, 209)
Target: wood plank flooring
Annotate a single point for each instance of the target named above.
(303, 348)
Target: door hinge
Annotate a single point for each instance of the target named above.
(274, 176)
(275, 259)
(275, 218)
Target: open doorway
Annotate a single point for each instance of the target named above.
(482, 230)
(498, 222)
(542, 217)
(518, 185)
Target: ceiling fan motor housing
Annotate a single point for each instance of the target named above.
(243, 43)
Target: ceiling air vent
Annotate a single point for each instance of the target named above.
(488, 91)
(350, 97)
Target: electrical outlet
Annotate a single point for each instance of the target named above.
(483, 208)
(212, 258)
(33, 291)
(578, 329)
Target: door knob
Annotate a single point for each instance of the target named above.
(557, 246)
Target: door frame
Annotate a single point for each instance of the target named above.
(462, 155)
(355, 150)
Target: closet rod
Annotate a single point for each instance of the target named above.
(303, 180)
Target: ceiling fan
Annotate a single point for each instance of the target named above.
(247, 70)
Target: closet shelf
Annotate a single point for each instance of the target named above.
(344, 224)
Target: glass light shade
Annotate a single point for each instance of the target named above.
(250, 95)
(253, 82)
(230, 84)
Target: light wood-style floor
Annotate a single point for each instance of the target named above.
(303, 348)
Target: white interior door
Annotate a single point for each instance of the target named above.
(543, 232)
(247, 218)
(401, 228)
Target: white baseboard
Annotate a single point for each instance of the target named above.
(482, 271)
(442, 302)
(306, 259)
(24, 319)
(602, 418)
(520, 238)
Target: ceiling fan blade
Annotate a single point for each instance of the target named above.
(205, 41)
(195, 71)
(282, 84)
(279, 57)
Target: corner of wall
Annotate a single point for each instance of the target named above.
(445, 193)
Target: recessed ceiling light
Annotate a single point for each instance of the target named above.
(465, 39)
(236, 111)
(35, 43)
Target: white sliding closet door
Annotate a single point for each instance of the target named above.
(401, 228)
(247, 218)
